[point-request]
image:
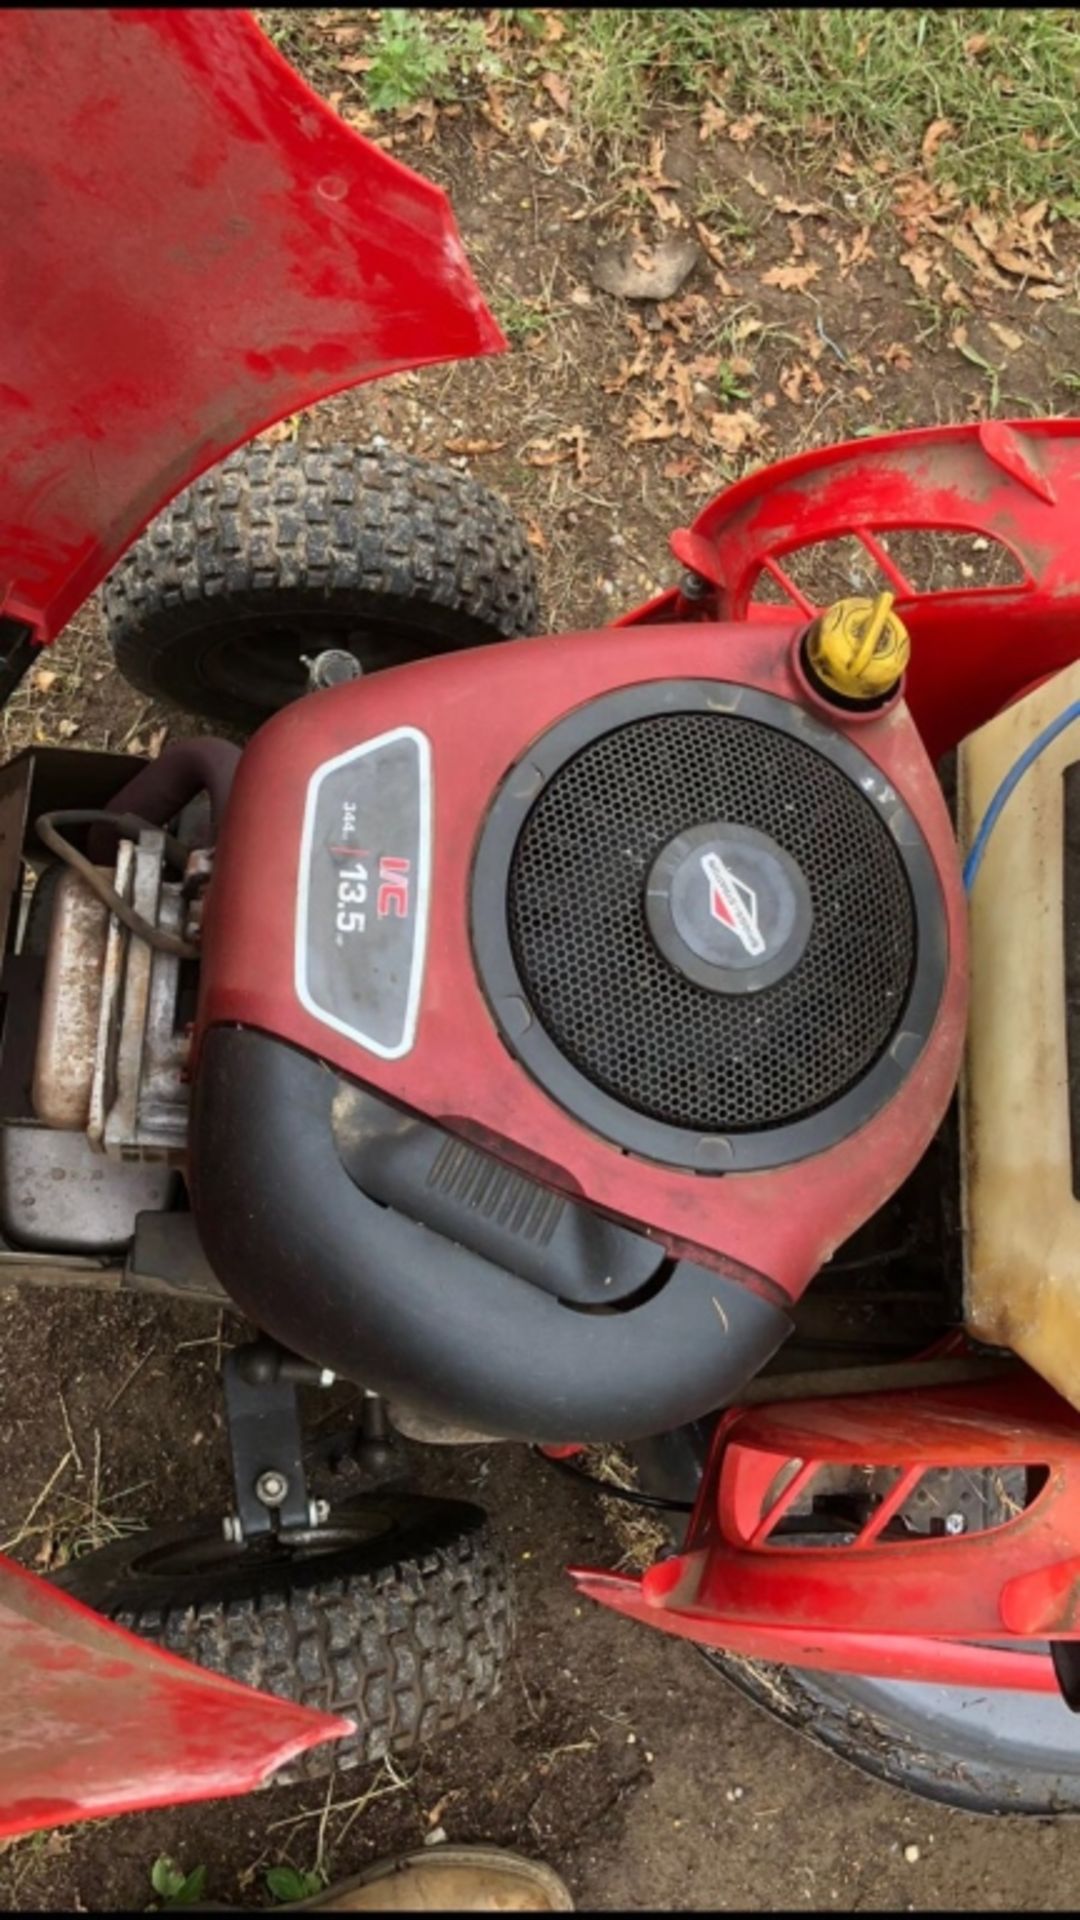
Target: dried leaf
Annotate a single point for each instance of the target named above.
(536, 130)
(741, 131)
(802, 209)
(356, 63)
(1031, 224)
(854, 255)
(667, 210)
(791, 384)
(864, 394)
(44, 678)
(67, 729)
(798, 239)
(966, 244)
(733, 431)
(682, 467)
(580, 297)
(555, 85)
(568, 444)
(655, 172)
(975, 44)
(1019, 264)
(898, 356)
(984, 227)
(936, 132)
(711, 242)
(534, 534)
(471, 448)
(495, 110)
(791, 279)
(1007, 335)
(646, 426)
(713, 121)
(1046, 293)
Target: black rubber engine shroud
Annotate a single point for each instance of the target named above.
(624, 1038)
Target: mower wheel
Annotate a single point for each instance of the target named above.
(398, 1612)
(282, 552)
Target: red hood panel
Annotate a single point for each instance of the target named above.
(193, 245)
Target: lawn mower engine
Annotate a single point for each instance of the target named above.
(563, 1006)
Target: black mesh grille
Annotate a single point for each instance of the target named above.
(620, 1012)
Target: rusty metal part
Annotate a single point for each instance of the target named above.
(58, 1196)
(139, 1100)
(70, 1004)
(164, 786)
(47, 828)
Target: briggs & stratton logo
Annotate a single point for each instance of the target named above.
(733, 903)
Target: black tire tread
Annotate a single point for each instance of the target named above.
(353, 525)
(411, 1650)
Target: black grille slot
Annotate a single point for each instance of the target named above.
(624, 1016)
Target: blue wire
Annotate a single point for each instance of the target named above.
(1008, 786)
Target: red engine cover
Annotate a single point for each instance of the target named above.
(478, 712)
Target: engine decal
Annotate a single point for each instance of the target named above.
(362, 906)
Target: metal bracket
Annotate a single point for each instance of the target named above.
(266, 1444)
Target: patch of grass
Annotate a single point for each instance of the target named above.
(520, 319)
(175, 1887)
(409, 64)
(870, 78)
(286, 1884)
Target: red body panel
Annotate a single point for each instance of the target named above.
(907, 1609)
(480, 711)
(1017, 483)
(193, 244)
(93, 1721)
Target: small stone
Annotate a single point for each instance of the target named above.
(631, 1739)
(436, 1838)
(648, 1757)
(911, 1853)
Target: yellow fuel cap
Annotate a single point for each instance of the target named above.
(858, 648)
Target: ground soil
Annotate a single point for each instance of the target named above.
(613, 1753)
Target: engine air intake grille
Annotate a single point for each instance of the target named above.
(628, 1018)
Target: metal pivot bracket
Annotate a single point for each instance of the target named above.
(265, 1442)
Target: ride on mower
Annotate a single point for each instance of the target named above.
(558, 1039)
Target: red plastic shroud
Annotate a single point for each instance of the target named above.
(480, 710)
(1014, 483)
(94, 1721)
(951, 1610)
(192, 245)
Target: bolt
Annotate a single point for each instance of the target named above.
(232, 1530)
(331, 668)
(327, 1376)
(318, 1513)
(271, 1488)
(954, 1523)
(693, 586)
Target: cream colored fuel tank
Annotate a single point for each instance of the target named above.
(1022, 1217)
